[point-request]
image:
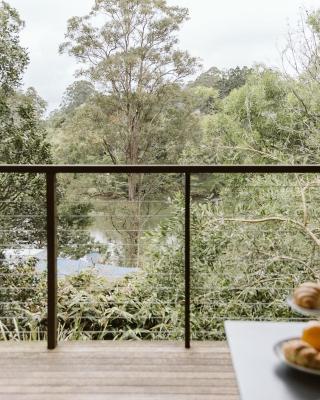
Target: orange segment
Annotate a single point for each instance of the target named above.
(311, 334)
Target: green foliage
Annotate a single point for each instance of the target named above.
(205, 99)
(73, 236)
(23, 301)
(141, 114)
(13, 57)
(314, 21)
(24, 141)
(77, 94)
(262, 122)
(254, 238)
(89, 308)
(223, 81)
(239, 271)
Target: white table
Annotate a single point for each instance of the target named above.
(260, 375)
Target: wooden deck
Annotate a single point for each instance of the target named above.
(116, 371)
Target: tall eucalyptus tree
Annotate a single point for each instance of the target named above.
(128, 49)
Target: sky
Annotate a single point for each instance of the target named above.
(223, 33)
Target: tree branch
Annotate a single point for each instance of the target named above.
(301, 226)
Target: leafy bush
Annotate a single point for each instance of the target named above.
(243, 267)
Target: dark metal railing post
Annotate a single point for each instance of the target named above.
(187, 262)
(52, 259)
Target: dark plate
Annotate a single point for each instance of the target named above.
(278, 350)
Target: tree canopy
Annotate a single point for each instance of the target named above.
(13, 57)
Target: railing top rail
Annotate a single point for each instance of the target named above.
(158, 169)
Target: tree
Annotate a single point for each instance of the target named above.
(262, 122)
(132, 56)
(13, 57)
(23, 140)
(22, 137)
(223, 81)
(301, 64)
(263, 228)
(77, 94)
(301, 54)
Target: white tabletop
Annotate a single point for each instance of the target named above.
(260, 374)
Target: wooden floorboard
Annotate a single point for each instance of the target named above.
(117, 371)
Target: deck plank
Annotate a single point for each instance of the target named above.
(117, 371)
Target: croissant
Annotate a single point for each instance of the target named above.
(307, 295)
(301, 353)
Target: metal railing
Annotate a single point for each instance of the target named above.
(187, 170)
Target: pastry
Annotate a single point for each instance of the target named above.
(307, 295)
(301, 353)
(311, 334)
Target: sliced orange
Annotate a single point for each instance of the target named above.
(311, 334)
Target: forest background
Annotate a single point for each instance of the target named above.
(254, 237)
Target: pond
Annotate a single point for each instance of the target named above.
(108, 227)
(68, 266)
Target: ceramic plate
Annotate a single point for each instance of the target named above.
(279, 353)
(308, 312)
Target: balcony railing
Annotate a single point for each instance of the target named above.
(50, 171)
